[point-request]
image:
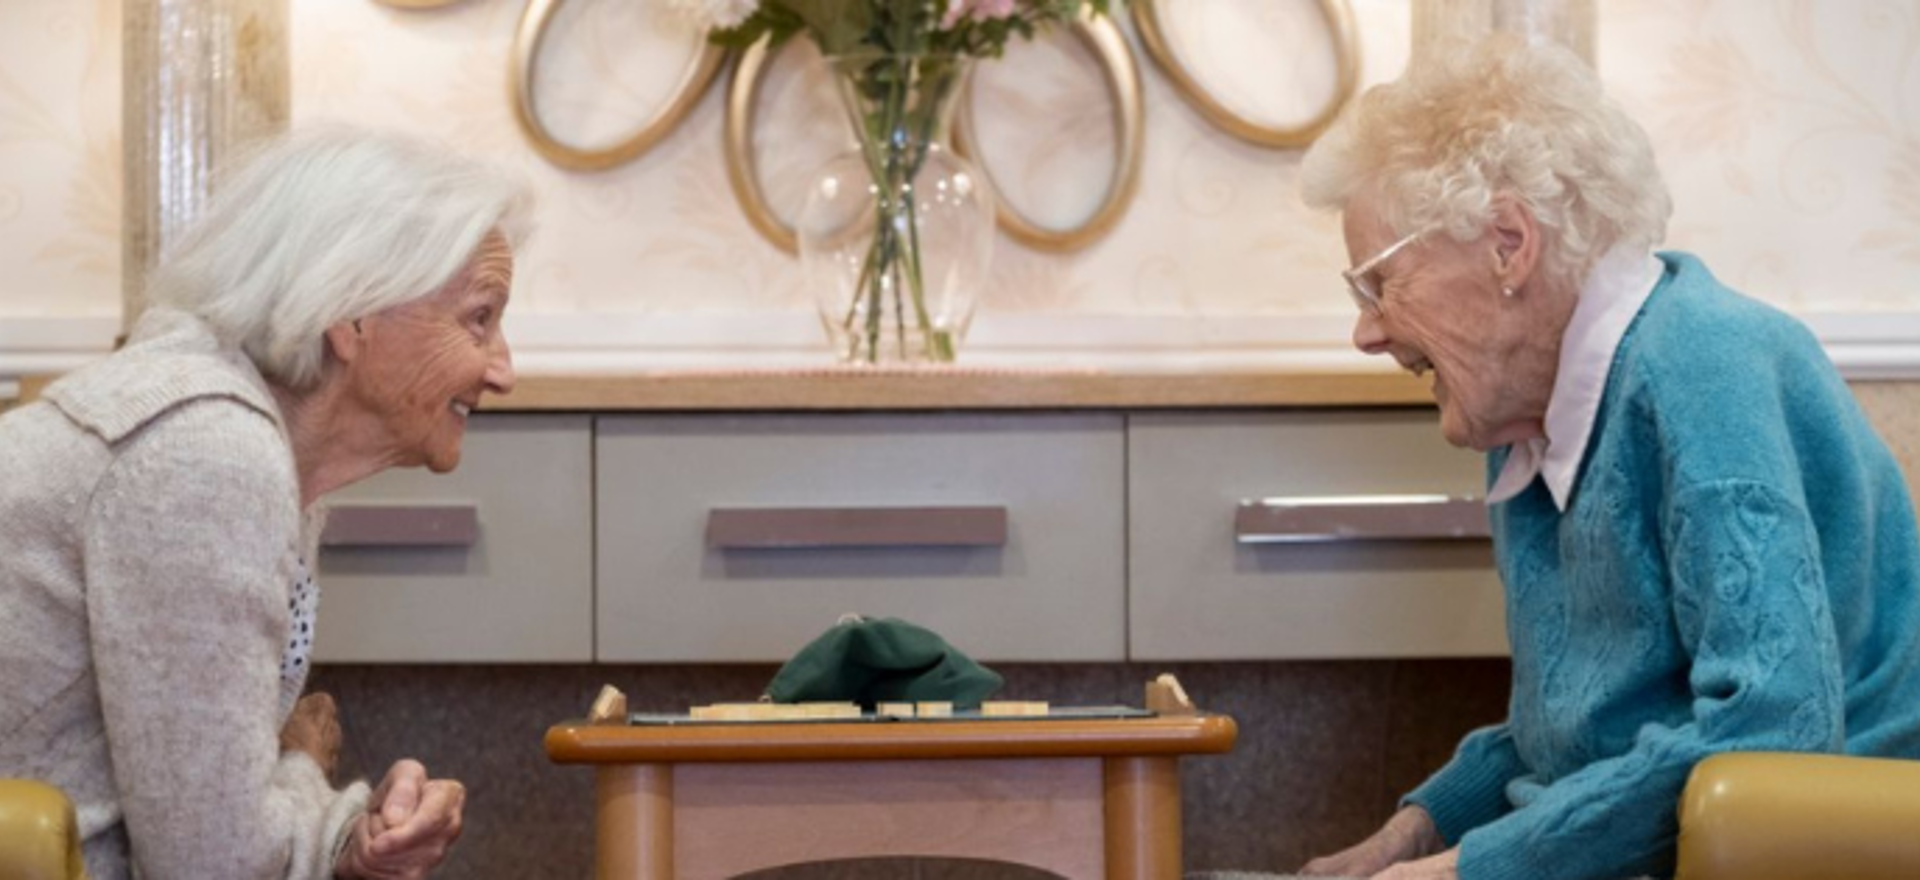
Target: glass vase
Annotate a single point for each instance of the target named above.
(896, 236)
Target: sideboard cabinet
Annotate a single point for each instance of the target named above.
(1090, 534)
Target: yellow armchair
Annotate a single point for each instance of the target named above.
(39, 836)
(1769, 816)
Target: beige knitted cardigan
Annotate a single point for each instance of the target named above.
(150, 524)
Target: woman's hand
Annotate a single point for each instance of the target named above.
(410, 824)
(1408, 835)
(314, 727)
(1445, 866)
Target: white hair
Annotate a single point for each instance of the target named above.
(328, 225)
(1502, 116)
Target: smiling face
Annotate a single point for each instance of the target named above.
(423, 366)
(1442, 310)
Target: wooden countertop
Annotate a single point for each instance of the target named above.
(31, 386)
(578, 742)
(852, 389)
(837, 389)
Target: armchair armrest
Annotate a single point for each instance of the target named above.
(1767, 816)
(39, 835)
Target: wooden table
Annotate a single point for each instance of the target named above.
(1080, 797)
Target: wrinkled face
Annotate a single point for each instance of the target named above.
(1441, 311)
(426, 363)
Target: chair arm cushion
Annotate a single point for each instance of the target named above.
(39, 836)
(1770, 816)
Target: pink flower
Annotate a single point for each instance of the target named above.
(986, 9)
(978, 10)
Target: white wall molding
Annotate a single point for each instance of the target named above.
(47, 345)
(1864, 346)
(1870, 346)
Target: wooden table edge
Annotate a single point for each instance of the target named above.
(578, 742)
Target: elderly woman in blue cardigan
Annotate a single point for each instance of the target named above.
(1704, 546)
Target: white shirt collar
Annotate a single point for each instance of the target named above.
(1612, 295)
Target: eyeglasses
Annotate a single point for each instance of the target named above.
(1360, 283)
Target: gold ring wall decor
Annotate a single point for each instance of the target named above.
(1346, 48)
(1120, 71)
(1099, 34)
(1122, 75)
(743, 88)
(527, 39)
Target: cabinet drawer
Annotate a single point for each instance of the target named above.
(1199, 593)
(491, 563)
(741, 538)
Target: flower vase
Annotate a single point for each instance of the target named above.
(896, 236)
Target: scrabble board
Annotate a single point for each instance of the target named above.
(851, 713)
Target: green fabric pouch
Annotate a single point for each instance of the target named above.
(882, 660)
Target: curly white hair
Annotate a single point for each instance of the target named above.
(1501, 116)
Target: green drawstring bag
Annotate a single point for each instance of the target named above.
(882, 660)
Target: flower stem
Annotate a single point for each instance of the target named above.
(897, 136)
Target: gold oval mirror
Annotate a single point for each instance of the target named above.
(535, 22)
(1241, 66)
(1121, 76)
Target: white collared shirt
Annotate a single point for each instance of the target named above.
(1612, 295)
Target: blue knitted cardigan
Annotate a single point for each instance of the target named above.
(1737, 569)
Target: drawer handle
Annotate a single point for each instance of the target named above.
(1360, 518)
(383, 525)
(767, 528)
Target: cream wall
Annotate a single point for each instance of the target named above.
(1789, 133)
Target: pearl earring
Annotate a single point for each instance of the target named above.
(1506, 292)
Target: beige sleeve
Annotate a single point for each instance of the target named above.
(186, 539)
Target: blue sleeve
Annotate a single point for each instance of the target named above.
(1471, 790)
(1752, 612)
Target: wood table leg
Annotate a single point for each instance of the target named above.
(635, 833)
(1143, 818)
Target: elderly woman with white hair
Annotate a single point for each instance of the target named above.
(1703, 543)
(335, 314)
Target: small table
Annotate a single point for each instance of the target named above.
(1080, 797)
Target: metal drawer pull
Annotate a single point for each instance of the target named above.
(381, 525)
(766, 528)
(1360, 518)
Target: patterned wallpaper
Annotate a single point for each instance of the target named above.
(59, 157)
(1789, 131)
(1790, 134)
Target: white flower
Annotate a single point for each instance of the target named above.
(715, 14)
